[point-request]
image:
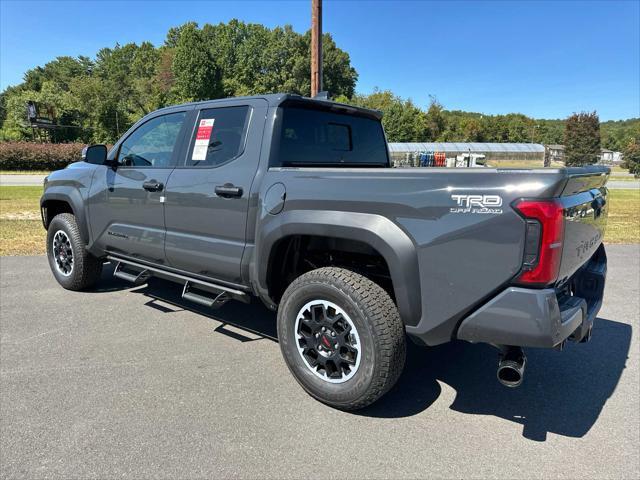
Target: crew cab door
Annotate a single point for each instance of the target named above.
(126, 207)
(207, 197)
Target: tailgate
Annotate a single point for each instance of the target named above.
(585, 203)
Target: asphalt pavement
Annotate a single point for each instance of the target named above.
(11, 180)
(125, 382)
(621, 184)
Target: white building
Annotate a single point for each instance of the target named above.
(609, 157)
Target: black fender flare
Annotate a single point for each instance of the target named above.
(74, 199)
(377, 231)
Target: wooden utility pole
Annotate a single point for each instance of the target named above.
(316, 47)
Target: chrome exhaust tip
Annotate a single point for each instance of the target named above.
(511, 367)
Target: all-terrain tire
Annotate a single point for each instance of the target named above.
(375, 316)
(86, 269)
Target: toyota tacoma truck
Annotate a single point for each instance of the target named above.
(294, 200)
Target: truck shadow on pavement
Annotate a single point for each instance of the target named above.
(253, 319)
(562, 393)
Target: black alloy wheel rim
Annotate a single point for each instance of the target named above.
(62, 253)
(328, 341)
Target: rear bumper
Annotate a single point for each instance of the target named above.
(540, 318)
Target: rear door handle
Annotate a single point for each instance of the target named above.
(228, 190)
(153, 186)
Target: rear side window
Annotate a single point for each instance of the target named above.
(218, 137)
(319, 138)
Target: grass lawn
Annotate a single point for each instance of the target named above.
(623, 224)
(516, 163)
(21, 231)
(522, 164)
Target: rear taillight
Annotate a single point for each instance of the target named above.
(543, 241)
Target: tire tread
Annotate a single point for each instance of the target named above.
(87, 268)
(381, 311)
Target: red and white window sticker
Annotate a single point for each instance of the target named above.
(203, 135)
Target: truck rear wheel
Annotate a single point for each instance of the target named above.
(73, 267)
(341, 336)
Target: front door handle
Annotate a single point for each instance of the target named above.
(228, 190)
(153, 186)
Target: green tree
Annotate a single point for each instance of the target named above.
(103, 116)
(196, 74)
(59, 72)
(145, 88)
(632, 157)
(254, 59)
(402, 120)
(549, 132)
(110, 90)
(582, 139)
(520, 128)
(224, 41)
(435, 121)
(472, 130)
(265, 60)
(173, 35)
(616, 135)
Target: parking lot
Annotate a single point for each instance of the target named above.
(135, 383)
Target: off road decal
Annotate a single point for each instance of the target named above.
(477, 204)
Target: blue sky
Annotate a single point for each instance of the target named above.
(545, 59)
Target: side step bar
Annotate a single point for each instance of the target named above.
(218, 294)
(216, 302)
(137, 277)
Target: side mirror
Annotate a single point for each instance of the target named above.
(96, 154)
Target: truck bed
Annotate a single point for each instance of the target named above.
(465, 241)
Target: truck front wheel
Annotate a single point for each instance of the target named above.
(73, 267)
(341, 336)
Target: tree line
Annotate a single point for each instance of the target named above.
(107, 94)
(406, 122)
(103, 96)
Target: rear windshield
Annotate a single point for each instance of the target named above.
(317, 138)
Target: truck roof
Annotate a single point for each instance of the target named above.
(277, 99)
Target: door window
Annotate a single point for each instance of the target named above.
(218, 137)
(152, 143)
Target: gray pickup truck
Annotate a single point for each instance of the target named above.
(293, 200)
